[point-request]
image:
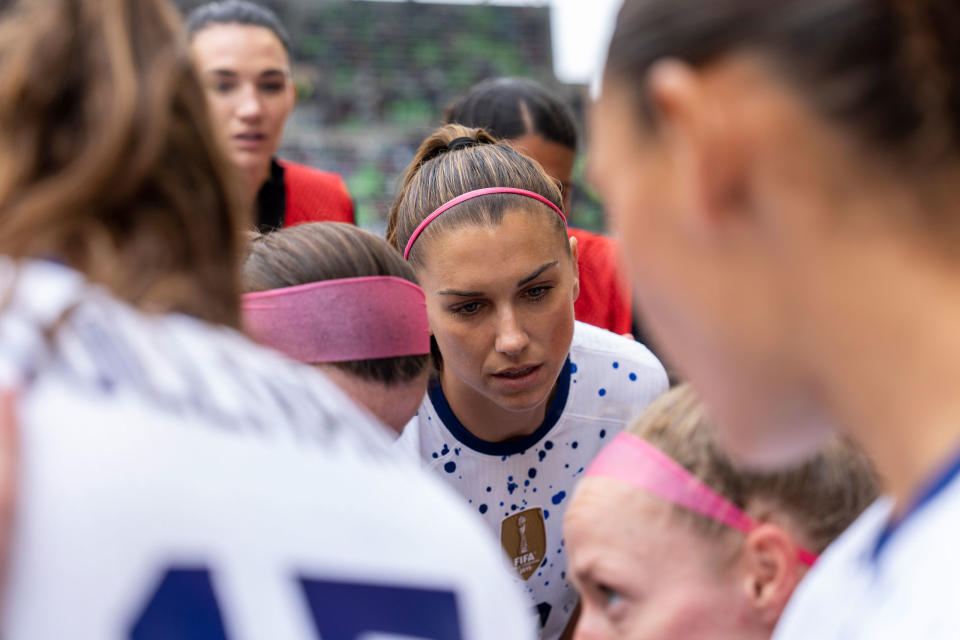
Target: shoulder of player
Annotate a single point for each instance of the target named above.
(590, 343)
(301, 178)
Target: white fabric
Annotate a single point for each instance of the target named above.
(612, 380)
(152, 443)
(910, 590)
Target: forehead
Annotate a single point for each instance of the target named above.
(612, 526)
(556, 159)
(480, 256)
(223, 46)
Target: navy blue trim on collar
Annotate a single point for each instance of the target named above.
(938, 484)
(458, 431)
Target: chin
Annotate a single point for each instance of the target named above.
(523, 401)
(769, 436)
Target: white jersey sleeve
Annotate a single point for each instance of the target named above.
(874, 585)
(522, 488)
(178, 482)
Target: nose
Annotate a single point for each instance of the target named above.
(588, 627)
(512, 339)
(249, 107)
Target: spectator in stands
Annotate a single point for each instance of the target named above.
(243, 55)
(542, 126)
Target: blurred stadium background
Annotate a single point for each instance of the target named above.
(373, 78)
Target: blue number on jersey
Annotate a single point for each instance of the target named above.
(344, 611)
(184, 607)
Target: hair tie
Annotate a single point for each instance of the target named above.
(462, 142)
(470, 195)
(340, 320)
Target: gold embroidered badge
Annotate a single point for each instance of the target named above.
(524, 538)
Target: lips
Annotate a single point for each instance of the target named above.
(518, 372)
(518, 377)
(249, 140)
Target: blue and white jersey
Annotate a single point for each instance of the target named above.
(877, 583)
(178, 481)
(522, 488)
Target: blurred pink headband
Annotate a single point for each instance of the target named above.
(470, 195)
(635, 461)
(340, 320)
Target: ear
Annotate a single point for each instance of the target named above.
(771, 571)
(704, 142)
(575, 257)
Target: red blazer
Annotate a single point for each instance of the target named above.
(605, 300)
(314, 196)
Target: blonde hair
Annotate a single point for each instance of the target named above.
(821, 497)
(439, 174)
(108, 161)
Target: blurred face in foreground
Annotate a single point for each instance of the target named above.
(714, 206)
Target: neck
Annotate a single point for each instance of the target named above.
(486, 419)
(889, 364)
(253, 179)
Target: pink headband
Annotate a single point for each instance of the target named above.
(470, 195)
(340, 320)
(635, 461)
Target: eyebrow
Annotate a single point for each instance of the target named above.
(538, 273)
(232, 74)
(474, 294)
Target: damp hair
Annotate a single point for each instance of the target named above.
(887, 71)
(108, 160)
(438, 174)
(821, 498)
(510, 108)
(321, 251)
(237, 12)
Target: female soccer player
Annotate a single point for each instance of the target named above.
(541, 125)
(174, 479)
(668, 540)
(243, 55)
(524, 396)
(785, 175)
(342, 299)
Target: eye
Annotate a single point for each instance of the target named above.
(273, 87)
(611, 597)
(224, 87)
(468, 309)
(537, 293)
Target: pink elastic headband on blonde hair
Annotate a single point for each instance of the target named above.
(470, 195)
(341, 320)
(633, 460)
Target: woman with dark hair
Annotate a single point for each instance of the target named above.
(540, 124)
(785, 175)
(243, 54)
(176, 480)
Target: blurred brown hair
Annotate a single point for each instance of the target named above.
(107, 160)
(330, 251)
(887, 71)
(821, 497)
